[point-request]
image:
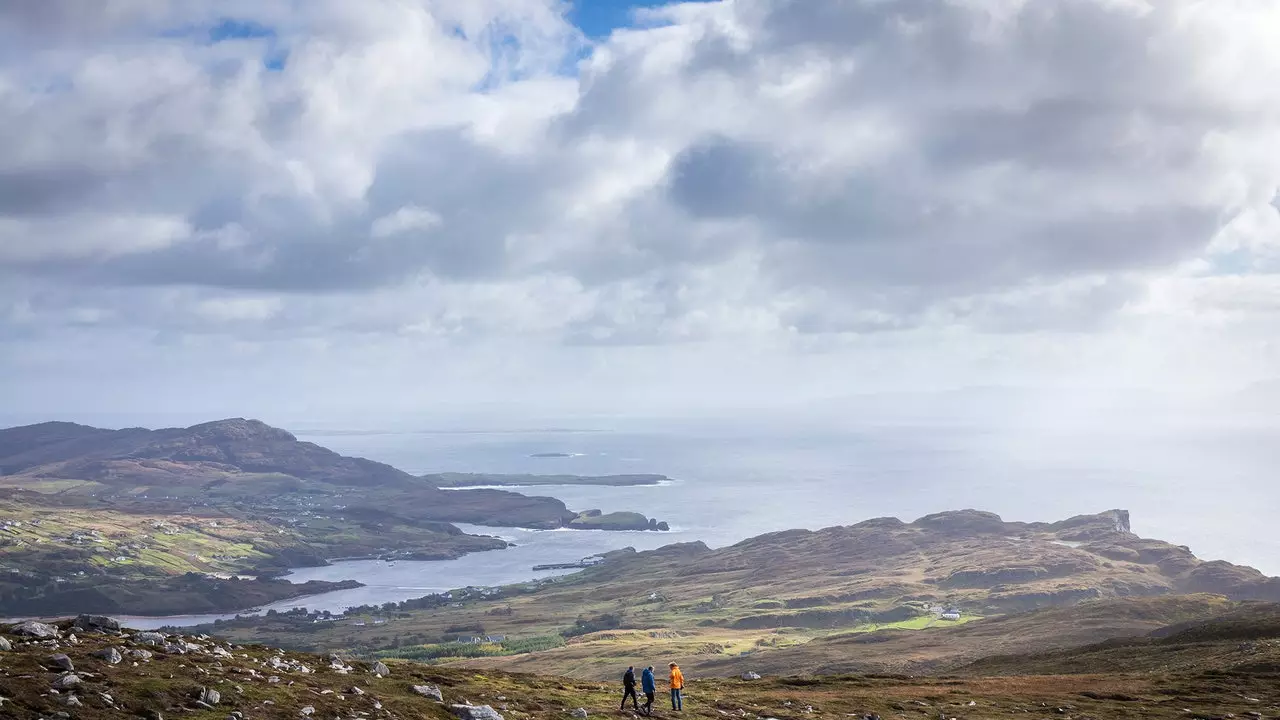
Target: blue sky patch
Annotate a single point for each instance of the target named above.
(598, 18)
(232, 29)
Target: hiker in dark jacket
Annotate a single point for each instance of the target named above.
(629, 690)
(650, 688)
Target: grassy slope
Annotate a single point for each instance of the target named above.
(760, 603)
(101, 559)
(168, 684)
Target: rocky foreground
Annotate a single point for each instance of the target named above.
(91, 669)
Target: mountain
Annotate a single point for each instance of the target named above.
(109, 674)
(824, 600)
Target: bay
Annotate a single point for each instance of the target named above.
(1210, 489)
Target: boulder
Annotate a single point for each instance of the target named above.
(67, 681)
(210, 696)
(431, 691)
(97, 622)
(111, 656)
(475, 712)
(150, 638)
(308, 711)
(381, 670)
(34, 629)
(62, 662)
(750, 676)
(580, 713)
(5, 645)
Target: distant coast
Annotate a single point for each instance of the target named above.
(474, 480)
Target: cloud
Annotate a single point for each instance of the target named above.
(406, 219)
(775, 175)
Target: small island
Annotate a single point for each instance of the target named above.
(473, 480)
(597, 520)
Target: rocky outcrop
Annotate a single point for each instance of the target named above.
(34, 629)
(963, 522)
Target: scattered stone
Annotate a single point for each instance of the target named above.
(73, 639)
(750, 676)
(143, 655)
(110, 655)
(580, 713)
(37, 630)
(381, 670)
(97, 622)
(356, 691)
(431, 691)
(5, 645)
(475, 712)
(150, 638)
(308, 711)
(211, 696)
(107, 698)
(62, 662)
(72, 701)
(67, 681)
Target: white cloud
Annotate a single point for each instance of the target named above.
(404, 220)
(862, 182)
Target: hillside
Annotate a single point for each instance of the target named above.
(1245, 640)
(814, 600)
(99, 673)
(107, 520)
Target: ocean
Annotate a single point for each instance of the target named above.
(1211, 490)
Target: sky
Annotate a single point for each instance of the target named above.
(325, 209)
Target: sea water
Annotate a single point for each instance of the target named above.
(1211, 490)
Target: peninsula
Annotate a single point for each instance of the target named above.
(200, 519)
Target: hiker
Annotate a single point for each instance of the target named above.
(629, 689)
(650, 689)
(677, 684)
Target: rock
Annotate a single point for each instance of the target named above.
(62, 662)
(430, 691)
(110, 655)
(381, 670)
(750, 676)
(580, 713)
(308, 711)
(144, 655)
(107, 698)
(5, 645)
(67, 681)
(72, 701)
(97, 622)
(356, 691)
(475, 712)
(209, 695)
(150, 638)
(34, 629)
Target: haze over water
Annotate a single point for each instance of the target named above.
(1213, 490)
(1210, 489)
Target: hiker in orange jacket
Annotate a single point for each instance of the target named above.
(677, 684)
